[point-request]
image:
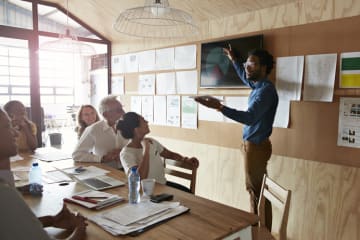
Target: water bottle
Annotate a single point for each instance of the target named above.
(134, 186)
(35, 187)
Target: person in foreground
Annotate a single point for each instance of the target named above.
(86, 116)
(257, 119)
(146, 153)
(26, 139)
(100, 142)
(16, 218)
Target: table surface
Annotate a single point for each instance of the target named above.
(205, 220)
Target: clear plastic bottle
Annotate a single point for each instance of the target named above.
(134, 186)
(35, 179)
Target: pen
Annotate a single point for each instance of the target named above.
(84, 199)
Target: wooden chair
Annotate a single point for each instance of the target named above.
(279, 198)
(181, 170)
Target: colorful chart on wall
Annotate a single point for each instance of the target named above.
(350, 70)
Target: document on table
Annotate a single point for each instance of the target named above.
(49, 154)
(130, 218)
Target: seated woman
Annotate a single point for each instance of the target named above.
(26, 139)
(145, 153)
(86, 116)
(17, 219)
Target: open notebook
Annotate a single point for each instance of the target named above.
(92, 177)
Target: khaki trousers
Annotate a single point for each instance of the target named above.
(256, 157)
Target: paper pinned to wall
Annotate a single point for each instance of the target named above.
(289, 75)
(188, 112)
(136, 104)
(185, 57)
(160, 110)
(165, 59)
(147, 108)
(186, 82)
(319, 77)
(238, 103)
(165, 83)
(131, 63)
(349, 124)
(350, 70)
(210, 114)
(146, 84)
(117, 85)
(173, 111)
(146, 60)
(118, 64)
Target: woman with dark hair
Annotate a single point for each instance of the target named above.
(86, 116)
(145, 153)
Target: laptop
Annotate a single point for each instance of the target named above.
(102, 182)
(92, 177)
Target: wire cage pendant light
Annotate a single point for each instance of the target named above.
(68, 43)
(156, 19)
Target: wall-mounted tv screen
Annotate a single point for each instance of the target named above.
(216, 69)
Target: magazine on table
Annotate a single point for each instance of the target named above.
(94, 199)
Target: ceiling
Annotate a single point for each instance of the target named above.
(101, 14)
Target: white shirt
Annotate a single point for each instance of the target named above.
(130, 157)
(97, 140)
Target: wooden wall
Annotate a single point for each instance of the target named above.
(326, 196)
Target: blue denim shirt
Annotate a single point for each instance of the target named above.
(262, 104)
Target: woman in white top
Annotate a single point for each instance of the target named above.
(145, 153)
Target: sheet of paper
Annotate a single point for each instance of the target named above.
(173, 111)
(186, 82)
(55, 176)
(188, 112)
(349, 124)
(118, 64)
(117, 229)
(117, 85)
(160, 110)
(319, 77)
(50, 154)
(289, 75)
(165, 59)
(146, 60)
(238, 103)
(165, 83)
(136, 104)
(146, 84)
(147, 108)
(209, 114)
(185, 57)
(15, 158)
(350, 70)
(282, 114)
(90, 171)
(131, 62)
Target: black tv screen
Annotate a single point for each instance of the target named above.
(217, 70)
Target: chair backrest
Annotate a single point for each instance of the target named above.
(279, 198)
(181, 170)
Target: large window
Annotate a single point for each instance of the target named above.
(52, 84)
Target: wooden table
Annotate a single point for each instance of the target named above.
(206, 220)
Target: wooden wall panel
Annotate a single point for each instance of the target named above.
(325, 197)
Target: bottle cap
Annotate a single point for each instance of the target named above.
(35, 164)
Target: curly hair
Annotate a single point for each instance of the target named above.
(127, 124)
(265, 58)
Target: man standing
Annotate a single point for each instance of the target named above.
(101, 142)
(257, 119)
